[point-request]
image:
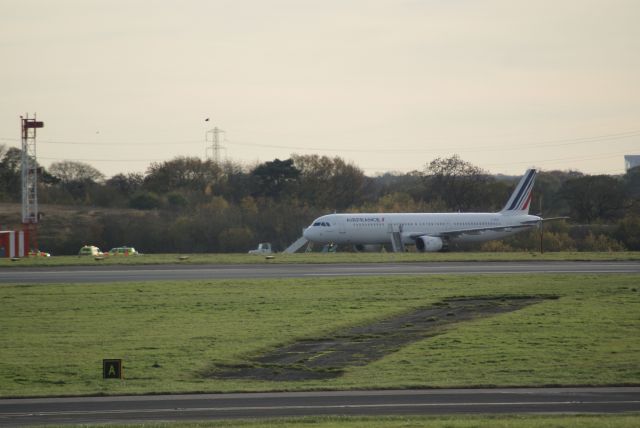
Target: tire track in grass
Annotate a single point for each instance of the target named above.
(327, 357)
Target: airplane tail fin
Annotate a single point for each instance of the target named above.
(520, 199)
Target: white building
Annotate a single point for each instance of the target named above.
(631, 161)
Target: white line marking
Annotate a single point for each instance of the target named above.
(310, 407)
(497, 272)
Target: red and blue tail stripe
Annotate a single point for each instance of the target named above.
(521, 197)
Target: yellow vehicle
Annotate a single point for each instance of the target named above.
(34, 253)
(89, 250)
(123, 251)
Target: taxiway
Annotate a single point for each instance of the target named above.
(93, 410)
(97, 274)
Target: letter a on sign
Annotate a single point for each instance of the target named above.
(112, 369)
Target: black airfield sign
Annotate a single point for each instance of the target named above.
(112, 369)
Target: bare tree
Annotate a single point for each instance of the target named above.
(73, 171)
(77, 178)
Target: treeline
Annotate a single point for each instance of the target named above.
(192, 205)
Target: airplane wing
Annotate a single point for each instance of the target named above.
(479, 230)
(545, 219)
(475, 231)
(555, 218)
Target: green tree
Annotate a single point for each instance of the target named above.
(548, 188)
(176, 201)
(183, 173)
(236, 240)
(10, 164)
(461, 185)
(145, 201)
(236, 182)
(274, 177)
(328, 183)
(126, 184)
(593, 197)
(631, 182)
(628, 232)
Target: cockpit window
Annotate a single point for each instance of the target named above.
(317, 223)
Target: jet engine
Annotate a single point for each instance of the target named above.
(368, 248)
(428, 244)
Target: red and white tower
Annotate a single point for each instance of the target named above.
(30, 180)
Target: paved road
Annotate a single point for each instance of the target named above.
(258, 405)
(176, 272)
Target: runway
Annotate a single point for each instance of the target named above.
(96, 274)
(93, 410)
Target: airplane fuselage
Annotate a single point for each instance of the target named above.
(375, 228)
(428, 231)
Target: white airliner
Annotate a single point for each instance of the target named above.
(427, 231)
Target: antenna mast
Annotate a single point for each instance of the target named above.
(29, 170)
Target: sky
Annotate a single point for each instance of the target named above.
(388, 85)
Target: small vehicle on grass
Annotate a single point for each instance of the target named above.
(90, 250)
(123, 251)
(263, 248)
(38, 253)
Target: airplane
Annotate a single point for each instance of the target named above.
(429, 232)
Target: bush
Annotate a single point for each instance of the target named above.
(145, 201)
(496, 247)
(628, 232)
(236, 239)
(599, 242)
(177, 201)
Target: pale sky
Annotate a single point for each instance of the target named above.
(388, 85)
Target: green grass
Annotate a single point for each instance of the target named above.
(151, 259)
(502, 421)
(54, 336)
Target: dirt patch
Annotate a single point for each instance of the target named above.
(327, 357)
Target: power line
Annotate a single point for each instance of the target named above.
(509, 147)
(589, 157)
(574, 158)
(532, 162)
(599, 138)
(95, 143)
(520, 146)
(101, 160)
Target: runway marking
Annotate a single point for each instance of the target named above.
(499, 272)
(94, 274)
(592, 268)
(310, 407)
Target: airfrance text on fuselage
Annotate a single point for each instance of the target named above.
(366, 219)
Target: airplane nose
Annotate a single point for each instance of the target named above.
(307, 233)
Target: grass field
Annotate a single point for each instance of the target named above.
(173, 335)
(151, 259)
(556, 421)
